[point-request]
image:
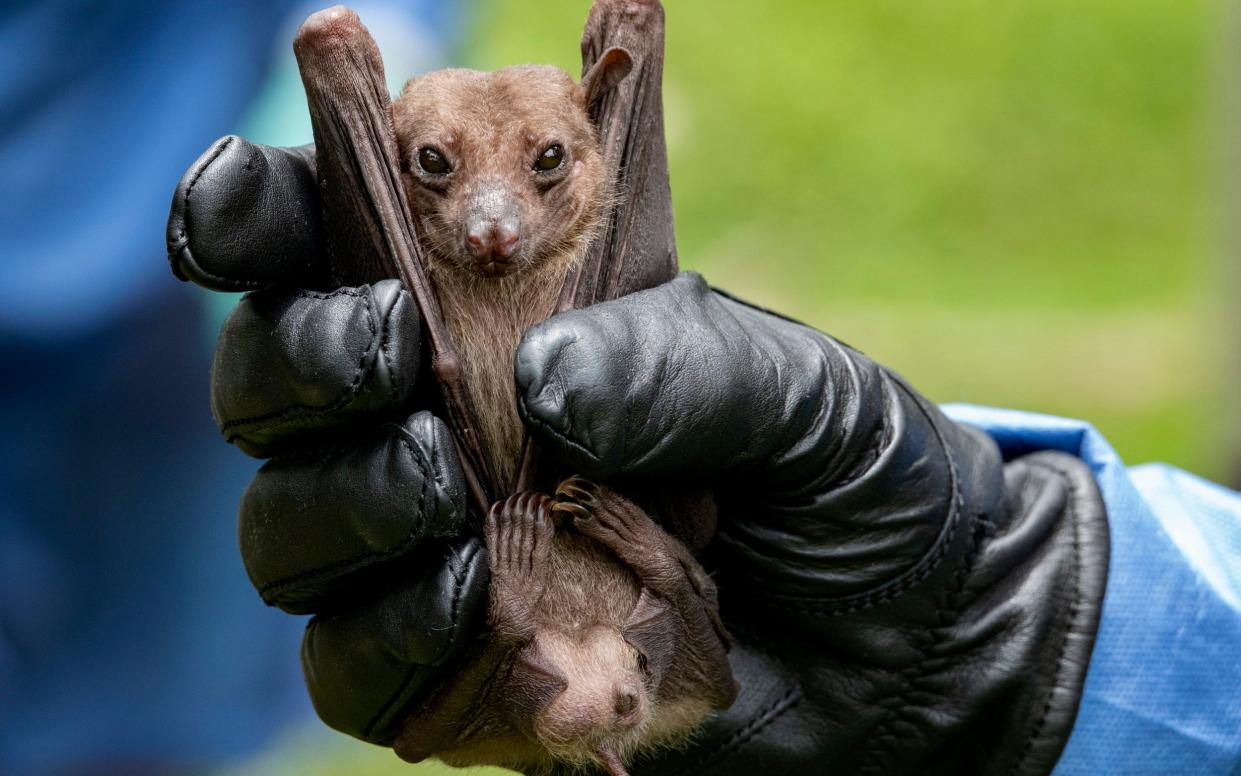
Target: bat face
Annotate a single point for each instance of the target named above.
(604, 697)
(504, 168)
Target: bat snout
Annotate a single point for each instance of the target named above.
(491, 230)
(493, 241)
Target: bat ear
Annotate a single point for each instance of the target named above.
(533, 683)
(606, 74)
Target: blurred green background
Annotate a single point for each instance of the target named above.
(1011, 203)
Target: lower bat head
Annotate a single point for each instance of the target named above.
(504, 168)
(571, 698)
(604, 705)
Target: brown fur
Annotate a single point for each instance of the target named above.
(491, 127)
(560, 679)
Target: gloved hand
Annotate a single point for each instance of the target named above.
(902, 601)
(357, 516)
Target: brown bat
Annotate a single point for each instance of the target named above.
(495, 201)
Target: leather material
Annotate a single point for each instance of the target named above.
(236, 197)
(294, 364)
(346, 520)
(354, 507)
(793, 411)
(364, 666)
(903, 602)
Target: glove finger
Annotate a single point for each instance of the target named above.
(292, 365)
(672, 381)
(316, 524)
(365, 668)
(246, 216)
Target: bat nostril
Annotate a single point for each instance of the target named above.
(625, 703)
(506, 241)
(478, 242)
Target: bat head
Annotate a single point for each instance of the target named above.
(569, 698)
(504, 168)
(604, 703)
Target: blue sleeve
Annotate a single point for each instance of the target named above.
(1163, 691)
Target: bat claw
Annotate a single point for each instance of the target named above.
(579, 490)
(572, 511)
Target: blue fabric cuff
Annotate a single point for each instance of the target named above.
(1163, 692)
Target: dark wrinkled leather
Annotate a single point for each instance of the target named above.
(246, 216)
(292, 365)
(344, 520)
(361, 505)
(365, 666)
(902, 601)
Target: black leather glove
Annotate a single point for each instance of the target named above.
(358, 514)
(903, 601)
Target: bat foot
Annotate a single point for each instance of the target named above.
(518, 533)
(620, 525)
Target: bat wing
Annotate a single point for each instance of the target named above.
(637, 250)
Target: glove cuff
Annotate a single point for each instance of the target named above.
(986, 639)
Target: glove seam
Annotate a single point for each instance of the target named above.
(763, 719)
(912, 675)
(272, 591)
(539, 422)
(915, 574)
(1071, 508)
(394, 704)
(180, 247)
(343, 397)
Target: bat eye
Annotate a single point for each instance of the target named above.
(433, 162)
(642, 665)
(550, 159)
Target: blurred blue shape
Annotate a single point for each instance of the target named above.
(130, 638)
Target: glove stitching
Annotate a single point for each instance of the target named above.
(763, 719)
(397, 702)
(1070, 621)
(296, 411)
(925, 566)
(913, 675)
(531, 419)
(183, 232)
(181, 246)
(274, 590)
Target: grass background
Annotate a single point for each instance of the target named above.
(1010, 203)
